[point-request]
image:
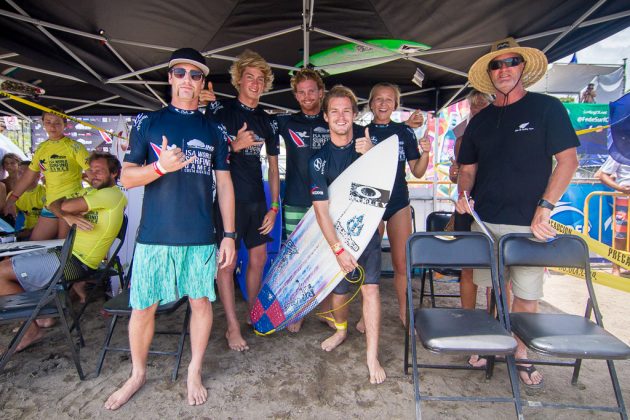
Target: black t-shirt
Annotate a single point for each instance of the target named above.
(326, 165)
(513, 148)
(407, 151)
(245, 166)
(177, 207)
(304, 135)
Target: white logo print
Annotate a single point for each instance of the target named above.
(524, 127)
(319, 165)
(198, 144)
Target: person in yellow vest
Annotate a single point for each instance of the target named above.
(30, 203)
(62, 160)
(98, 214)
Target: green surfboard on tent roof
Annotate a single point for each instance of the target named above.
(347, 53)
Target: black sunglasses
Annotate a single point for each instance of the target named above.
(507, 62)
(180, 73)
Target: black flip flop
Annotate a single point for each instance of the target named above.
(529, 370)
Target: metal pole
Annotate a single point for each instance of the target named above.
(575, 25)
(435, 146)
(625, 68)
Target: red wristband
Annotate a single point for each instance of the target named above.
(338, 253)
(14, 195)
(274, 209)
(156, 169)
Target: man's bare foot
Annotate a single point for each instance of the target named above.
(29, 340)
(197, 393)
(377, 373)
(361, 326)
(477, 361)
(235, 340)
(46, 322)
(334, 340)
(295, 327)
(125, 392)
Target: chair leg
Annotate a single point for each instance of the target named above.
(432, 289)
(406, 357)
(576, 371)
(66, 330)
(182, 340)
(514, 383)
(416, 374)
(108, 339)
(618, 395)
(422, 284)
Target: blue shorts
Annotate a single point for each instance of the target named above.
(163, 273)
(47, 214)
(370, 260)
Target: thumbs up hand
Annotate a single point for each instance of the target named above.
(363, 144)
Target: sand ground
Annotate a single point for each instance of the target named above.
(288, 376)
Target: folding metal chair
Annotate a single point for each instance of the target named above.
(455, 330)
(436, 222)
(102, 275)
(119, 307)
(50, 302)
(563, 336)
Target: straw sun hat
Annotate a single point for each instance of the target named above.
(535, 65)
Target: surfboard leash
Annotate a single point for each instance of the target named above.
(360, 280)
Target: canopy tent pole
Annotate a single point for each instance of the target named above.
(91, 104)
(209, 52)
(126, 64)
(58, 43)
(455, 95)
(436, 141)
(307, 21)
(4, 103)
(575, 25)
(39, 70)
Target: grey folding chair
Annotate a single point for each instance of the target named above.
(563, 336)
(436, 222)
(455, 330)
(51, 301)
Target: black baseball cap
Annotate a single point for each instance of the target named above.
(190, 56)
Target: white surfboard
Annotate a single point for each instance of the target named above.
(306, 270)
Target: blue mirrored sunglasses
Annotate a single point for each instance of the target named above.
(180, 73)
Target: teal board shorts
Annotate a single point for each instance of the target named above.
(164, 273)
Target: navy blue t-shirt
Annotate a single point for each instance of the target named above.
(513, 147)
(326, 165)
(407, 151)
(303, 136)
(177, 207)
(245, 165)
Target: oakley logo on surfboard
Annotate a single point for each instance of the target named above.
(371, 196)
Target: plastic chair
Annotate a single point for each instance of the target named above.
(455, 330)
(119, 307)
(436, 222)
(563, 336)
(45, 303)
(112, 268)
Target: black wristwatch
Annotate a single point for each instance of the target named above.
(231, 235)
(545, 204)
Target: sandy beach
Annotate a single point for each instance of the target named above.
(288, 376)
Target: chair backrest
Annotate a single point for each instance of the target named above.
(570, 251)
(122, 233)
(437, 221)
(449, 249)
(64, 256)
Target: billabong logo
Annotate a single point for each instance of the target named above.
(371, 196)
(524, 127)
(297, 139)
(198, 144)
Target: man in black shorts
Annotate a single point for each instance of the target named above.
(249, 128)
(340, 108)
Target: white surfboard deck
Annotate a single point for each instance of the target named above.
(306, 270)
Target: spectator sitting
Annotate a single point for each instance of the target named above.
(98, 214)
(10, 163)
(30, 203)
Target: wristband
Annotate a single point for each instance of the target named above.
(462, 193)
(275, 204)
(14, 195)
(336, 247)
(274, 209)
(160, 167)
(156, 168)
(338, 253)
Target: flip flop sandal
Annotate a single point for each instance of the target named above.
(529, 370)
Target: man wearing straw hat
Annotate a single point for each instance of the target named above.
(506, 165)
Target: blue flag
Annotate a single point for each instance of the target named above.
(619, 133)
(573, 59)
